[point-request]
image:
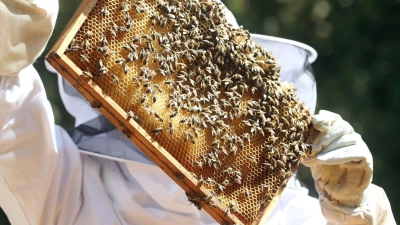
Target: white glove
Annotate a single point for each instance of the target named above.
(341, 166)
(25, 27)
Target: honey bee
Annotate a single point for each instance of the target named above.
(87, 74)
(114, 26)
(72, 43)
(122, 6)
(280, 163)
(226, 211)
(126, 68)
(114, 78)
(137, 38)
(120, 61)
(112, 32)
(268, 165)
(158, 117)
(138, 8)
(215, 143)
(213, 132)
(225, 182)
(284, 183)
(240, 143)
(85, 44)
(128, 24)
(72, 48)
(126, 133)
(84, 58)
(102, 69)
(230, 116)
(224, 138)
(208, 43)
(132, 56)
(105, 11)
(172, 104)
(194, 198)
(155, 97)
(201, 180)
(183, 78)
(173, 114)
(252, 159)
(237, 173)
(88, 34)
(220, 187)
(131, 115)
(199, 164)
(149, 90)
(295, 163)
(183, 120)
(104, 50)
(228, 171)
(136, 81)
(171, 128)
(153, 21)
(163, 22)
(144, 54)
(144, 71)
(145, 61)
(238, 180)
(223, 150)
(264, 202)
(196, 133)
(143, 99)
(233, 150)
(179, 176)
(128, 48)
(157, 130)
(233, 206)
(191, 137)
(95, 105)
(194, 175)
(185, 136)
(246, 193)
(265, 187)
(208, 200)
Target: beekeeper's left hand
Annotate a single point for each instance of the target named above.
(341, 165)
(25, 28)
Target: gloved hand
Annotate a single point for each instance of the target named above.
(341, 166)
(25, 28)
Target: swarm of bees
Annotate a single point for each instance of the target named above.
(202, 86)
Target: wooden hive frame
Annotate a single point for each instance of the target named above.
(134, 131)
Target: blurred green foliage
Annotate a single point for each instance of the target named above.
(357, 42)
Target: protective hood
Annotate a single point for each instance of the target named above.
(25, 28)
(295, 59)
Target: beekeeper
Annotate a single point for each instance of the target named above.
(46, 179)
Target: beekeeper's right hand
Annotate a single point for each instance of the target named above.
(341, 165)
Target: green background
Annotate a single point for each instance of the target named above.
(357, 70)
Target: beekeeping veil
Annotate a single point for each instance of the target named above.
(25, 27)
(295, 59)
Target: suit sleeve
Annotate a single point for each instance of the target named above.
(36, 175)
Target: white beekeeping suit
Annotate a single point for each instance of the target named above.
(44, 179)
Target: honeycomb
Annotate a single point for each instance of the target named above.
(203, 90)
